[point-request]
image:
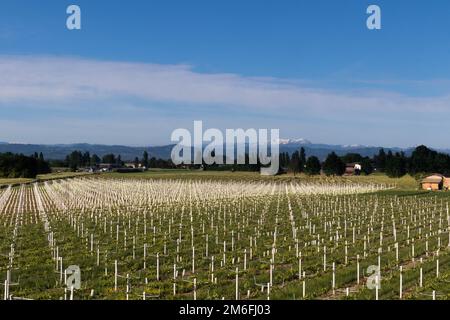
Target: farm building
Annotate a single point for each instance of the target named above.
(353, 169)
(435, 182)
(107, 166)
(446, 183)
(133, 165)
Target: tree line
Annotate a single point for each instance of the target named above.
(78, 159)
(21, 166)
(422, 160)
(393, 164)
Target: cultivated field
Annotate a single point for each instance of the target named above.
(202, 235)
(41, 177)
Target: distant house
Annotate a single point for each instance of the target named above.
(446, 184)
(133, 165)
(353, 169)
(107, 166)
(435, 182)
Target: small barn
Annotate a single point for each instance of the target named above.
(446, 184)
(353, 169)
(434, 182)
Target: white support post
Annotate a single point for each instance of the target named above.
(237, 283)
(401, 282)
(115, 276)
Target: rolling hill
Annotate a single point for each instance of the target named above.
(128, 153)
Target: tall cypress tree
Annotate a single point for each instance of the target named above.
(145, 159)
(302, 160)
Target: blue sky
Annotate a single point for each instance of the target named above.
(139, 69)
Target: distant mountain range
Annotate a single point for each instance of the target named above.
(322, 150)
(60, 151)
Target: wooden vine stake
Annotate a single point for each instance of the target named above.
(115, 276)
(300, 268)
(237, 283)
(6, 294)
(193, 260)
(304, 289)
(376, 286)
(145, 256)
(334, 279)
(396, 251)
(357, 269)
(346, 253)
(195, 288)
(71, 293)
(437, 268)
(421, 274)
(157, 267)
(271, 272)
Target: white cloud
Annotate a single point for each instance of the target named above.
(66, 99)
(67, 81)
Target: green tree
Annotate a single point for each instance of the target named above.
(153, 162)
(425, 160)
(333, 165)
(145, 162)
(95, 160)
(74, 160)
(380, 160)
(284, 160)
(109, 158)
(20, 166)
(395, 165)
(295, 162)
(119, 161)
(313, 166)
(367, 166)
(352, 158)
(86, 159)
(422, 160)
(302, 160)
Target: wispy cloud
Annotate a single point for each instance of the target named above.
(68, 99)
(61, 81)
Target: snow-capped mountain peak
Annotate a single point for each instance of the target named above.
(299, 141)
(354, 146)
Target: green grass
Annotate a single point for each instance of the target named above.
(407, 182)
(42, 177)
(60, 175)
(185, 174)
(8, 181)
(245, 217)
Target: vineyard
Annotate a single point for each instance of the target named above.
(205, 239)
